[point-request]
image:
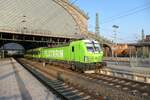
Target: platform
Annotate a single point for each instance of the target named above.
(16, 83)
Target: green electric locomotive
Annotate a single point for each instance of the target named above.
(82, 55)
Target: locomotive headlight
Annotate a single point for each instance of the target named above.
(86, 58)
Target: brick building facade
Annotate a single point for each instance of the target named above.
(147, 39)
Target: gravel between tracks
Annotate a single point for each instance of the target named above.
(93, 86)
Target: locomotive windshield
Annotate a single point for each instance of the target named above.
(89, 47)
(93, 47)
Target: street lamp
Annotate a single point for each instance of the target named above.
(115, 27)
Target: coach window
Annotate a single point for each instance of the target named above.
(73, 49)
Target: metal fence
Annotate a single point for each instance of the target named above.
(139, 62)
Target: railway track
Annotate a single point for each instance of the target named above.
(63, 89)
(114, 85)
(130, 86)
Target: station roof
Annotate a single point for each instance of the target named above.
(37, 15)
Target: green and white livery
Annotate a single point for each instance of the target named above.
(82, 55)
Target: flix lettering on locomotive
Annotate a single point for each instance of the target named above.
(82, 55)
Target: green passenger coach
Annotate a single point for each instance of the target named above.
(82, 55)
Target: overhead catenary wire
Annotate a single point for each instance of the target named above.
(130, 12)
(111, 36)
(127, 11)
(73, 2)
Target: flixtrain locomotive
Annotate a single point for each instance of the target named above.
(81, 55)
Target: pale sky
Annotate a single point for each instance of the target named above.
(130, 15)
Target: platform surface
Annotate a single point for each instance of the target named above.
(16, 83)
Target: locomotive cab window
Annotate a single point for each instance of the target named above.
(73, 49)
(93, 47)
(89, 47)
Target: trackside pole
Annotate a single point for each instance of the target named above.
(44, 64)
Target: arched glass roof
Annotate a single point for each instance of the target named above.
(36, 15)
